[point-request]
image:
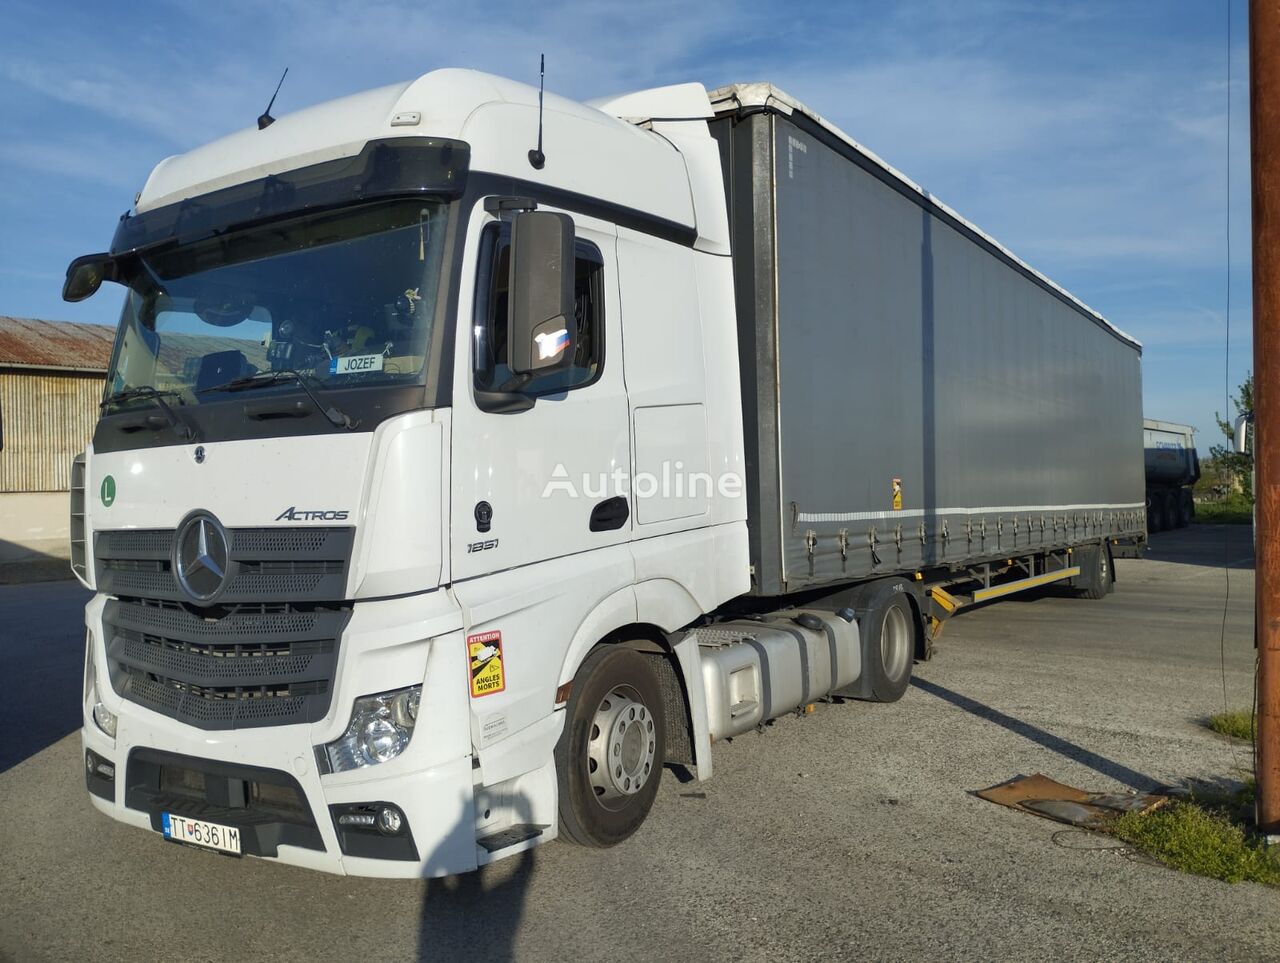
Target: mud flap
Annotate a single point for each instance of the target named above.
(690, 663)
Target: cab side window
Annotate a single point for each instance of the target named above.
(490, 329)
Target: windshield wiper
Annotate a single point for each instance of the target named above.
(264, 378)
(154, 394)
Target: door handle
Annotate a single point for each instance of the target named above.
(610, 514)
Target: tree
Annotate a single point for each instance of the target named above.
(1237, 466)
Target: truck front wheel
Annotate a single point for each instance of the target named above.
(609, 757)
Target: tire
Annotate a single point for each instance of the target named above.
(1168, 512)
(1095, 578)
(1154, 514)
(610, 754)
(888, 629)
(1186, 508)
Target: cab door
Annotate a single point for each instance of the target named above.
(532, 482)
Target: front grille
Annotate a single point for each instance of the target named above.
(267, 806)
(271, 564)
(265, 654)
(78, 552)
(228, 667)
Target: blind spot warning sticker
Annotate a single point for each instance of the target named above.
(897, 494)
(484, 658)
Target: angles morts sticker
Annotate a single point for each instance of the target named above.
(484, 661)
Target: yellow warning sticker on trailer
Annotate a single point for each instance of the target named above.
(897, 494)
(484, 658)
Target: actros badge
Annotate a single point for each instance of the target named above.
(294, 514)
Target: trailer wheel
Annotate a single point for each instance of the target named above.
(609, 757)
(1168, 512)
(1096, 577)
(889, 643)
(1154, 512)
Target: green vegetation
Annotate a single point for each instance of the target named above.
(1232, 510)
(1237, 469)
(1239, 724)
(1206, 834)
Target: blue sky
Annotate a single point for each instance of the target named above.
(1089, 137)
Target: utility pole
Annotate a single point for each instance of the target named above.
(1264, 126)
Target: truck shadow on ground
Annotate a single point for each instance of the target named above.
(42, 651)
(1206, 545)
(20, 565)
(476, 915)
(1042, 737)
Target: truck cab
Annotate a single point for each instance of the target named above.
(360, 500)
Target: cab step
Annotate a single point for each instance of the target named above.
(519, 833)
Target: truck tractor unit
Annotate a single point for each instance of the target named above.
(447, 489)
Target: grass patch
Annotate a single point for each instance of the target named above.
(1206, 834)
(1234, 510)
(1239, 724)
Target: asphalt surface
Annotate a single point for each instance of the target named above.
(852, 832)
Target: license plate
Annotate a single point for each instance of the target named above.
(197, 832)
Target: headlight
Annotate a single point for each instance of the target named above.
(380, 728)
(104, 717)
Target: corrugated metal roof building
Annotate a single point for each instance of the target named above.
(51, 379)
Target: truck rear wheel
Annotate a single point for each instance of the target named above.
(889, 643)
(1154, 514)
(609, 757)
(1168, 511)
(1186, 508)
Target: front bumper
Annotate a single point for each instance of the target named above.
(266, 780)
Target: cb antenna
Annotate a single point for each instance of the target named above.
(536, 157)
(266, 120)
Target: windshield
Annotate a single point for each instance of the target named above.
(344, 297)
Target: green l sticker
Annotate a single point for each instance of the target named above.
(108, 491)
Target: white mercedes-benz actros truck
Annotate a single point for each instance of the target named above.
(466, 459)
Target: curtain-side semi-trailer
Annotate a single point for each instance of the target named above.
(445, 490)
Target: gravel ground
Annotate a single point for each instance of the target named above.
(850, 832)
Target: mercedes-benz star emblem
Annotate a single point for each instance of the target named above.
(201, 557)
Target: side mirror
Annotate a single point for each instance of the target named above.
(86, 274)
(1241, 436)
(541, 330)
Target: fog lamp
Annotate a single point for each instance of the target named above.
(389, 820)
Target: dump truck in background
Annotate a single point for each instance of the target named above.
(1172, 469)
(446, 489)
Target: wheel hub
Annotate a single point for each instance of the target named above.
(621, 747)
